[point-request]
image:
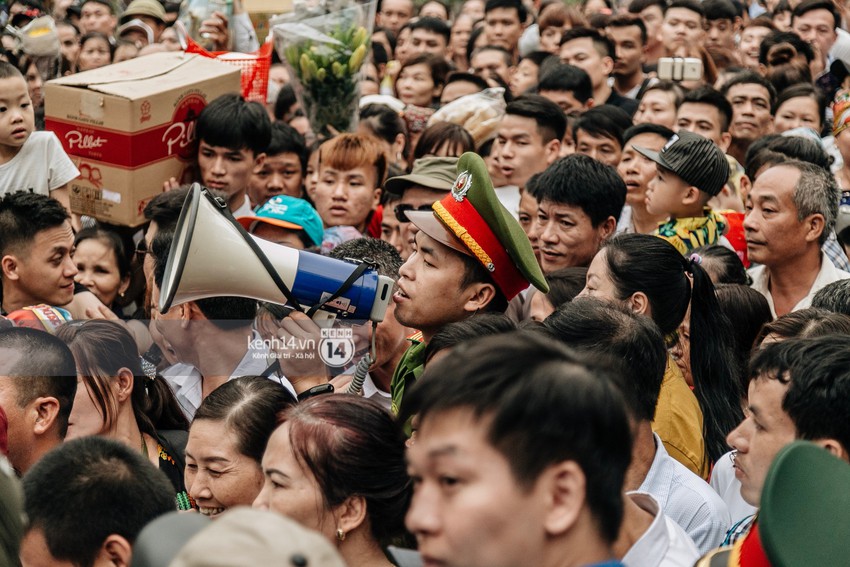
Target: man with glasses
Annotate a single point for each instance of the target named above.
(428, 182)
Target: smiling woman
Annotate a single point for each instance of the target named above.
(103, 266)
(226, 442)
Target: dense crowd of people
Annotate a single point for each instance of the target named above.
(618, 240)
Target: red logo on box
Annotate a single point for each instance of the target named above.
(136, 149)
(146, 111)
(179, 138)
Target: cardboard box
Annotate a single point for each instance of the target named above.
(129, 127)
(261, 11)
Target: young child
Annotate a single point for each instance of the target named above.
(690, 171)
(29, 161)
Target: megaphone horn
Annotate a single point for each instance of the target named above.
(212, 256)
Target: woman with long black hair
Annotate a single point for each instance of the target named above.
(649, 275)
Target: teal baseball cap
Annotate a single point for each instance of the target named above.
(288, 212)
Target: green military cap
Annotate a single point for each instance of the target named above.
(431, 172)
(471, 220)
(805, 508)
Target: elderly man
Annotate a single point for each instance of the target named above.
(791, 210)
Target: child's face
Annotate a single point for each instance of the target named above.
(16, 113)
(665, 193)
(225, 169)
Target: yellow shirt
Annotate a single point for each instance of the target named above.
(678, 421)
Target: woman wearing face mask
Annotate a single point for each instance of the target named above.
(336, 465)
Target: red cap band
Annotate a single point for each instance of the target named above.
(463, 220)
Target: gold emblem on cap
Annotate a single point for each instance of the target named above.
(462, 185)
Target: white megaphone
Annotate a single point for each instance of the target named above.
(212, 256)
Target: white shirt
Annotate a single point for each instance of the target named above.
(371, 391)
(664, 544)
(728, 487)
(40, 166)
(624, 223)
(840, 49)
(686, 499)
(828, 273)
(187, 383)
(245, 210)
(509, 197)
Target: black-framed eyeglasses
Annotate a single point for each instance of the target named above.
(402, 210)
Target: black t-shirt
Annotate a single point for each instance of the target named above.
(629, 105)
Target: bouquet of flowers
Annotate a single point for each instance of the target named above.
(324, 44)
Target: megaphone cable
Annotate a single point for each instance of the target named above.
(356, 386)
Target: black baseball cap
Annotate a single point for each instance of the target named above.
(695, 159)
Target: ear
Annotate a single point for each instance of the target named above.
(746, 186)
(589, 104)
(376, 198)
(564, 486)
(116, 551)
(834, 447)
(814, 227)
(606, 229)
(9, 264)
(692, 196)
(398, 144)
(45, 411)
(125, 283)
(639, 303)
(259, 160)
(552, 150)
(190, 312)
(124, 385)
(608, 65)
(478, 296)
(725, 141)
(351, 514)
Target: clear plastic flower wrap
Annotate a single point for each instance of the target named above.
(325, 43)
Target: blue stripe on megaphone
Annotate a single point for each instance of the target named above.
(318, 277)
